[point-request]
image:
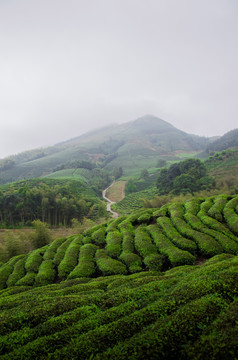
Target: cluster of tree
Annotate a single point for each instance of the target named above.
(52, 202)
(145, 181)
(184, 177)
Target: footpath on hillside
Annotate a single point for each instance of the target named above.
(114, 193)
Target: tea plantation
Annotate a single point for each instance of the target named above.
(157, 284)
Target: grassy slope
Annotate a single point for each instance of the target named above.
(116, 191)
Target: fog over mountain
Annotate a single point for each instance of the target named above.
(68, 67)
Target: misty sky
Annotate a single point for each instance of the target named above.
(69, 66)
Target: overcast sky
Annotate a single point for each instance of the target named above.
(69, 66)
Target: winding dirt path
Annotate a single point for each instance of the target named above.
(117, 195)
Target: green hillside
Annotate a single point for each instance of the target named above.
(176, 234)
(157, 284)
(134, 145)
(227, 141)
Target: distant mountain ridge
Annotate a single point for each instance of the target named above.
(227, 141)
(135, 144)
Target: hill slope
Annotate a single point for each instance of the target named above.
(133, 311)
(227, 141)
(185, 313)
(176, 234)
(132, 145)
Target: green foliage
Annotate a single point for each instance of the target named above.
(184, 177)
(70, 259)
(52, 201)
(228, 140)
(15, 244)
(52, 249)
(34, 260)
(61, 251)
(128, 257)
(113, 241)
(42, 235)
(86, 263)
(175, 255)
(6, 270)
(108, 266)
(117, 173)
(130, 187)
(230, 214)
(148, 251)
(189, 312)
(161, 163)
(135, 201)
(205, 243)
(174, 236)
(216, 210)
(27, 280)
(46, 273)
(98, 236)
(144, 174)
(18, 272)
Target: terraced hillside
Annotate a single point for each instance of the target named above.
(157, 284)
(154, 240)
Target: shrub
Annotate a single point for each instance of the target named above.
(27, 280)
(61, 251)
(230, 215)
(168, 249)
(174, 236)
(98, 237)
(161, 212)
(145, 218)
(207, 245)
(86, 264)
(42, 235)
(70, 259)
(113, 241)
(18, 272)
(107, 265)
(34, 260)
(132, 261)
(228, 244)
(46, 273)
(52, 248)
(127, 232)
(113, 225)
(203, 237)
(143, 244)
(7, 269)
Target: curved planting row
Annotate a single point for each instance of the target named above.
(152, 239)
(188, 312)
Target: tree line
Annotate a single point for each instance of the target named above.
(53, 202)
